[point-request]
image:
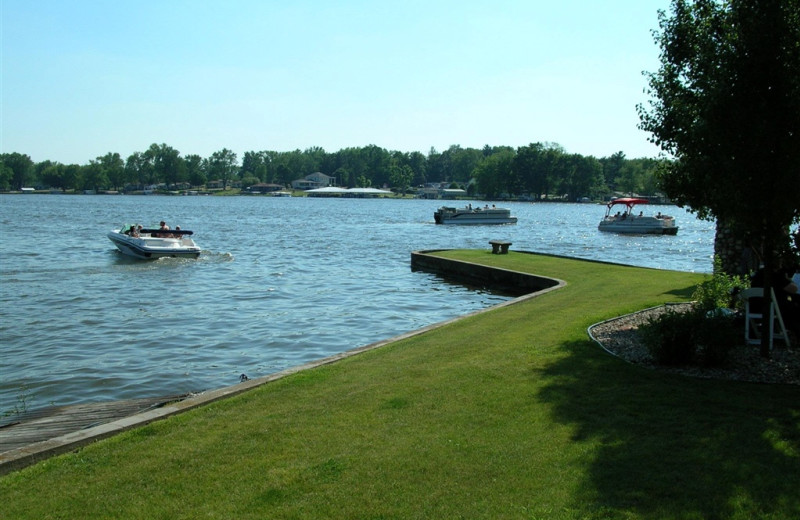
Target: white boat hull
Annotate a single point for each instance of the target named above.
(473, 217)
(628, 222)
(150, 248)
(639, 225)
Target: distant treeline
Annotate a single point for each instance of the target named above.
(537, 170)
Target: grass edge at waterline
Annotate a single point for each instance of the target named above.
(512, 413)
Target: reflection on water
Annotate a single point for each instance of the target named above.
(281, 281)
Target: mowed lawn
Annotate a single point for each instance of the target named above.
(512, 413)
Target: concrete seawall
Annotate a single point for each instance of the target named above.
(511, 282)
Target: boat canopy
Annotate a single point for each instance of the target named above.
(628, 201)
(167, 231)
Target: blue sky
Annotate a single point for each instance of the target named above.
(83, 78)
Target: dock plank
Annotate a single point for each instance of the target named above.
(41, 425)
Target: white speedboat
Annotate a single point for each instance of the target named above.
(626, 221)
(154, 243)
(473, 216)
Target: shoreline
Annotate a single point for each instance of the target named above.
(42, 449)
(618, 336)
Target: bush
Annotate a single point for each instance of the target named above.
(719, 291)
(715, 337)
(670, 337)
(683, 338)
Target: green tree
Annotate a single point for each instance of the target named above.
(72, 176)
(21, 167)
(459, 163)
(93, 177)
(343, 178)
(651, 185)
(253, 163)
(139, 169)
(725, 104)
(114, 168)
(38, 169)
(195, 170)
(419, 164)
(630, 179)
(414, 160)
(611, 169)
(167, 165)
(526, 171)
(401, 177)
(463, 162)
(363, 182)
(296, 162)
(222, 166)
(249, 180)
(153, 174)
(582, 177)
(284, 174)
(538, 167)
(638, 176)
(6, 176)
(493, 174)
(377, 161)
(53, 176)
(313, 159)
(551, 167)
(437, 168)
(352, 162)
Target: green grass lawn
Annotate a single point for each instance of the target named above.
(512, 413)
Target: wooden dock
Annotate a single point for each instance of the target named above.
(30, 427)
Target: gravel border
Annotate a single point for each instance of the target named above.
(620, 337)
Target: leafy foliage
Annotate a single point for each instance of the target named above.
(694, 337)
(670, 338)
(715, 337)
(719, 292)
(538, 170)
(726, 104)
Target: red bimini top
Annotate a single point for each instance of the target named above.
(628, 201)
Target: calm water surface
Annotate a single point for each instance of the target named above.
(281, 281)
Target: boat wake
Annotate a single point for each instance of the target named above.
(215, 257)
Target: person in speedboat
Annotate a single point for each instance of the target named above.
(133, 231)
(163, 227)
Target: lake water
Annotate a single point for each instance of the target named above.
(281, 281)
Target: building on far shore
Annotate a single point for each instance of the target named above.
(313, 181)
(440, 191)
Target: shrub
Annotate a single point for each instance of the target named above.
(683, 338)
(715, 337)
(669, 337)
(719, 291)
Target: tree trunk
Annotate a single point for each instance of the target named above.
(735, 253)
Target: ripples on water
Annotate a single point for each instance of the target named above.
(281, 281)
